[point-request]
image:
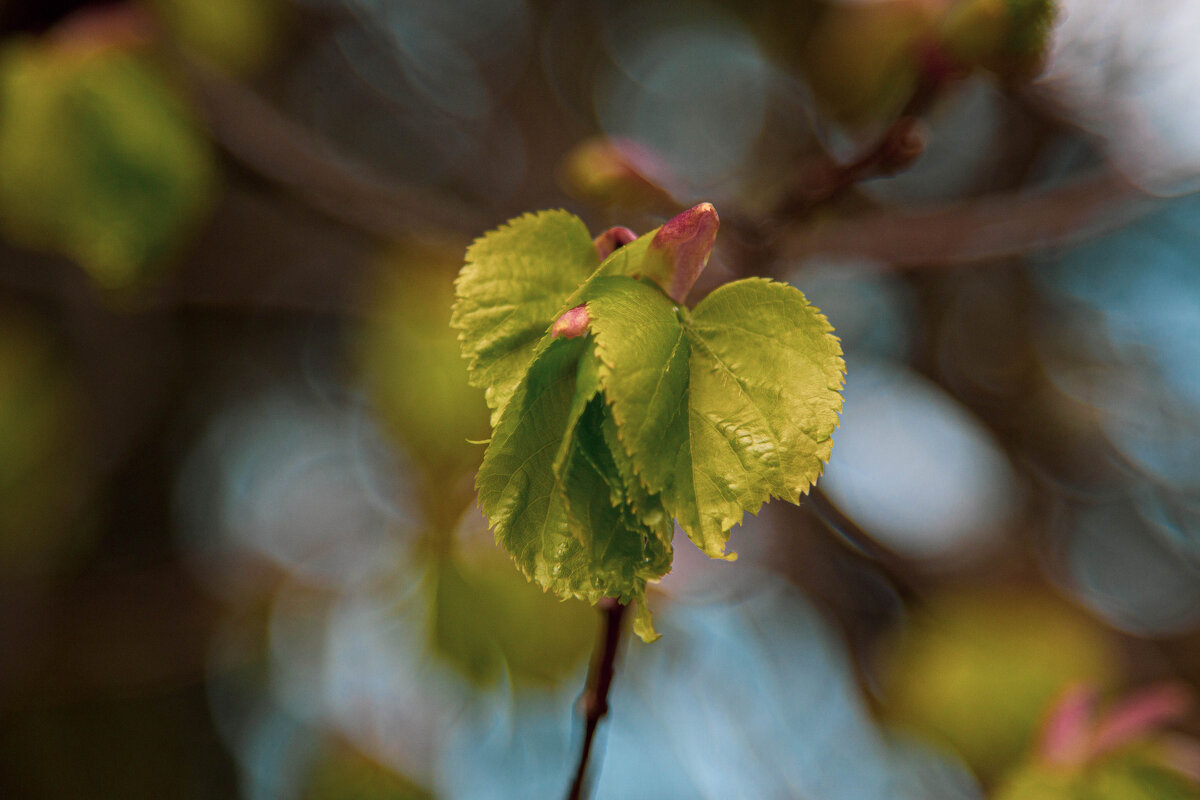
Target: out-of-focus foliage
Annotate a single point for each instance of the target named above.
(487, 618)
(621, 173)
(976, 668)
(239, 36)
(1134, 774)
(728, 704)
(913, 468)
(407, 348)
(342, 773)
(861, 59)
(1125, 72)
(43, 452)
(1120, 753)
(100, 158)
(865, 61)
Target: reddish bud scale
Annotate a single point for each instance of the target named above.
(679, 251)
(573, 323)
(612, 239)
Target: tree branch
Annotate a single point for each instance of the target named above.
(288, 154)
(594, 701)
(966, 232)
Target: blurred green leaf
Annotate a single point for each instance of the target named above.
(1133, 774)
(1009, 37)
(100, 158)
(860, 58)
(976, 668)
(514, 284)
(487, 618)
(409, 358)
(239, 36)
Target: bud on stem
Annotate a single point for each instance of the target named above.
(573, 323)
(612, 239)
(679, 252)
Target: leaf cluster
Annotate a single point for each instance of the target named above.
(659, 413)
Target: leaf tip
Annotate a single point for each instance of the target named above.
(643, 622)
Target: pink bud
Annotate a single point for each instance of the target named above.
(573, 322)
(679, 252)
(611, 239)
(1067, 733)
(618, 172)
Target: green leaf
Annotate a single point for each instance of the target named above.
(600, 440)
(519, 488)
(551, 489)
(643, 623)
(514, 284)
(623, 550)
(723, 408)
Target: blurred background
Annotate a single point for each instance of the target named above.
(239, 550)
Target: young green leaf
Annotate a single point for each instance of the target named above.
(550, 486)
(519, 488)
(514, 284)
(722, 408)
(615, 409)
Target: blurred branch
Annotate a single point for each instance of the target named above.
(600, 678)
(286, 153)
(823, 179)
(962, 233)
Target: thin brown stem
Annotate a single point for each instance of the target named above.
(594, 701)
(290, 155)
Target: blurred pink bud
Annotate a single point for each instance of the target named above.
(1074, 734)
(611, 239)
(617, 171)
(1067, 734)
(679, 252)
(573, 322)
(1141, 714)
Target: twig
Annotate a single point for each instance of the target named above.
(288, 154)
(967, 232)
(600, 677)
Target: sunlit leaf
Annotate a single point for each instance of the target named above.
(552, 493)
(724, 407)
(513, 285)
(642, 411)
